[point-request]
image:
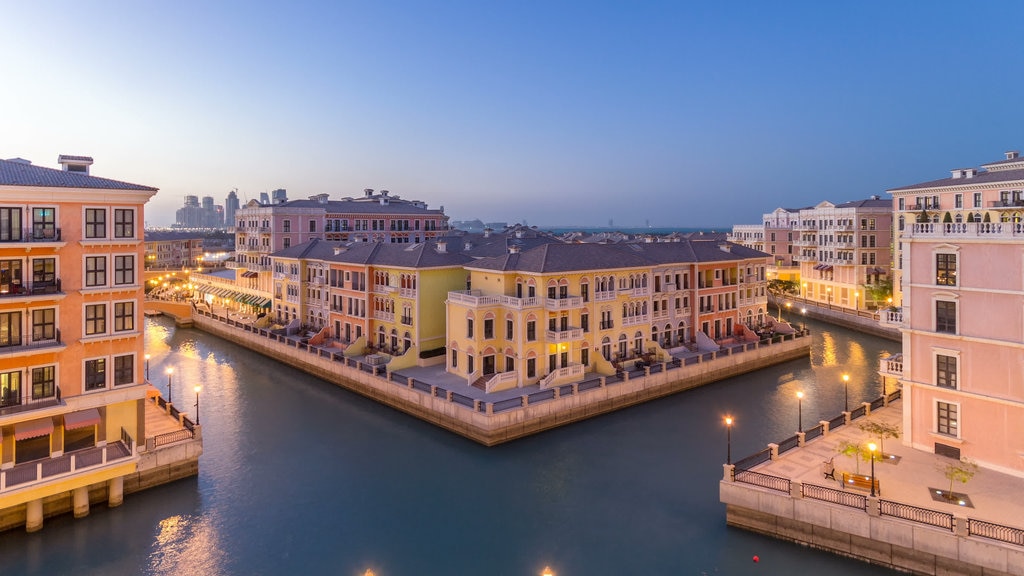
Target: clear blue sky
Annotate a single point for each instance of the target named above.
(572, 113)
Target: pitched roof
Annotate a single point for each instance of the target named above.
(14, 173)
(422, 255)
(982, 177)
(352, 206)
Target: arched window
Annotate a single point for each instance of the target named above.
(606, 348)
(407, 341)
(638, 342)
(623, 345)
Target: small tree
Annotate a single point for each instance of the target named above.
(880, 430)
(986, 218)
(880, 291)
(857, 451)
(947, 218)
(779, 288)
(960, 471)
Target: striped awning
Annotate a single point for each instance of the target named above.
(81, 419)
(33, 429)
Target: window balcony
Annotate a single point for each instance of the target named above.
(565, 335)
(407, 292)
(384, 316)
(21, 401)
(607, 324)
(1008, 203)
(476, 299)
(407, 320)
(635, 320)
(891, 366)
(892, 318)
(974, 230)
(35, 235)
(567, 303)
(41, 288)
(604, 296)
(384, 289)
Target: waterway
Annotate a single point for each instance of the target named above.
(301, 477)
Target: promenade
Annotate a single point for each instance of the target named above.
(907, 525)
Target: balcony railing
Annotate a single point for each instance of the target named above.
(604, 296)
(384, 316)
(565, 335)
(33, 289)
(22, 401)
(556, 304)
(891, 365)
(892, 318)
(965, 230)
(607, 324)
(407, 320)
(1006, 203)
(634, 320)
(384, 289)
(51, 469)
(475, 298)
(407, 292)
(32, 235)
(570, 371)
(10, 345)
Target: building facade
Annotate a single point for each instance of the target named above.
(961, 265)
(71, 338)
(172, 250)
(552, 313)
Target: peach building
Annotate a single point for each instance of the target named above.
(961, 262)
(72, 387)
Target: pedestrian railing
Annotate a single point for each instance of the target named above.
(777, 483)
(753, 460)
(841, 497)
(916, 514)
(814, 432)
(995, 531)
(788, 444)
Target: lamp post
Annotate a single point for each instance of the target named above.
(728, 439)
(170, 371)
(198, 389)
(805, 290)
(800, 411)
(789, 306)
(846, 392)
(872, 448)
(147, 357)
(856, 305)
(828, 291)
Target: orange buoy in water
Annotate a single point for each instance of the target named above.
(756, 559)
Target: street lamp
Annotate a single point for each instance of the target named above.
(789, 306)
(147, 357)
(800, 411)
(805, 290)
(547, 572)
(829, 292)
(198, 389)
(170, 371)
(846, 392)
(856, 296)
(728, 439)
(872, 448)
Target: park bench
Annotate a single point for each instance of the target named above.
(828, 468)
(860, 482)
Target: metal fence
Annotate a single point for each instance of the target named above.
(753, 460)
(841, 497)
(172, 437)
(814, 432)
(764, 480)
(916, 514)
(995, 531)
(858, 412)
(789, 444)
(837, 422)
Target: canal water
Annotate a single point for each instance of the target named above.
(301, 477)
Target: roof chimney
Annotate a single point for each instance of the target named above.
(367, 192)
(513, 248)
(970, 172)
(958, 173)
(725, 247)
(1012, 155)
(75, 163)
(442, 247)
(487, 232)
(337, 250)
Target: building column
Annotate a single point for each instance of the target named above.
(115, 492)
(80, 501)
(34, 515)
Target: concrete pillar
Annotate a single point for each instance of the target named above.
(490, 407)
(729, 472)
(115, 491)
(775, 450)
(800, 439)
(197, 432)
(867, 408)
(873, 507)
(34, 515)
(846, 418)
(476, 406)
(80, 501)
(433, 388)
(604, 381)
(960, 526)
(526, 400)
(824, 427)
(557, 392)
(575, 388)
(448, 396)
(796, 489)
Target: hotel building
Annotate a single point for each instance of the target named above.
(72, 388)
(961, 264)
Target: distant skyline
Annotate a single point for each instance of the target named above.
(560, 113)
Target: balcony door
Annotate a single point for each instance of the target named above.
(488, 365)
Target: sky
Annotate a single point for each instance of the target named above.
(556, 113)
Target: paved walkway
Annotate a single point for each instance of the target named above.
(157, 420)
(996, 497)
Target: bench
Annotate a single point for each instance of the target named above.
(860, 482)
(828, 468)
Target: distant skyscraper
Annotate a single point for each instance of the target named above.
(230, 205)
(280, 195)
(196, 215)
(264, 198)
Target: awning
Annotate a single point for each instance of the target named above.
(33, 428)
(265, 303)
(81, 419)
(250, 274)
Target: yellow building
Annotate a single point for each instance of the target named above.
(552, 313)
(72, 388)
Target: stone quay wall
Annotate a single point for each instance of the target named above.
(494, 423)
(905, 545)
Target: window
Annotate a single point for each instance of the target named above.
(585, 356)
(455, 358)
(124, 269)
(958, 200)
(44, 272)
(10, 389)
(95, 270)
(95, 319)
(531, 331)
(286, 243)
(96, 374)
(124, 369)
(286, 226)
(947, 418)
(488, 328)
(977, 199)
(44, 324)
(945, 317)
(585, 322)
(945, 269)
(10, 329)
(531, 367)
(469, 363)
(945, 371)
(44, 226)
(901, 203)
(95, 223)
(10, 224)
(124, 223)
(124, 316)
(312, 225)
(43, 383)
(469, 327)
(509, 332)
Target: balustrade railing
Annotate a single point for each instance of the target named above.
(777, 483)
(916, 514)
(994, 531)
(841, 497)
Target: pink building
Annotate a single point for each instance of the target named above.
(961, 262)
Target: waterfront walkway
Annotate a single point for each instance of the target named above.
(996, 497)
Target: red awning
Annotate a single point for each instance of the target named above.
(33, 428)
(250, 274)
(81, 419)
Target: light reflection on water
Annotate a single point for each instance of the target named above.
(299, 476)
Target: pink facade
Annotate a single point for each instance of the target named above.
(962, 270)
